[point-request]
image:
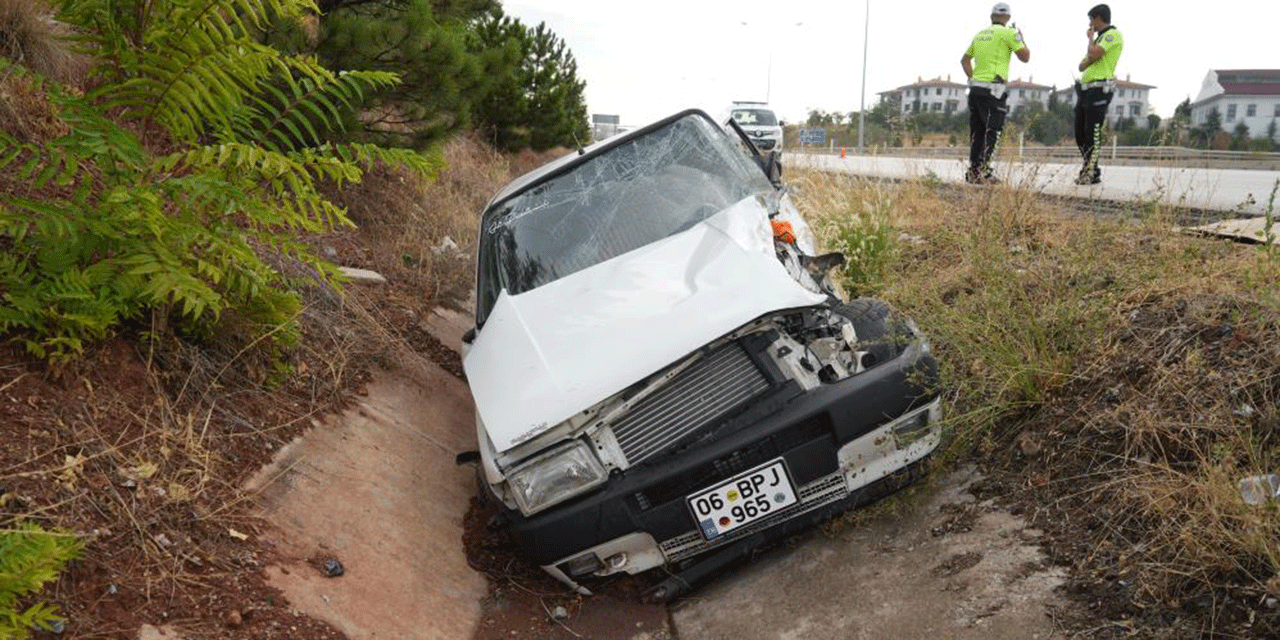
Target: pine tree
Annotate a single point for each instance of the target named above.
(557, 111)
(1240, 137)
(501, 113)
(1203, 135)
(537, 103)
(428, 43)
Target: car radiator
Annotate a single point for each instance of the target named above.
(696, 397)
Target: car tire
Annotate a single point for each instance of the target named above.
(882, 333)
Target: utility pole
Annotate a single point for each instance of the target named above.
(862, 110)
(768, 87)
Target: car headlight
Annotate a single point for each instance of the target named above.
(555, 476)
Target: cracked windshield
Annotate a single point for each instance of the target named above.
(620, 199)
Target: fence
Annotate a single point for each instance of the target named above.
(1174, 156)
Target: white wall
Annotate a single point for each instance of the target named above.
(1266, 109)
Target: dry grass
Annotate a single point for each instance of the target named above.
(421, 234)
(1144, 363)
(30, 36)
(25, 110)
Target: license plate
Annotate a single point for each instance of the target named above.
(746, 498)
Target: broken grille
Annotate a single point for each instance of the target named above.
(693, 399)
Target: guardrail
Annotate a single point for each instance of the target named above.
(1172, 156)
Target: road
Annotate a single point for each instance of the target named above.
(1231, 190)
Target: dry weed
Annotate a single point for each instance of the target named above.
(421, 234)
(30, 36)
(527, 160)
(1145, 361)
(25, 111)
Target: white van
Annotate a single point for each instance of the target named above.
(760, 123)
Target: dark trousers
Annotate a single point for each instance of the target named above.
(986, 120)
(1091, 124)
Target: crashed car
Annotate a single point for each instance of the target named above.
(663, 373)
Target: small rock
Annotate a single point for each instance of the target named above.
(364, 276)
(447, 244)
(1029, 443)
(330, 252)
(234, 619)
(162, 540)
(1271, 603)
(559, 613)
(57, 626)
(112, 589)
(333, 568)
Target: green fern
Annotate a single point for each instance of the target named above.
(101, 231)
(30, 557)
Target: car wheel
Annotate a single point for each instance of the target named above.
(882, 333)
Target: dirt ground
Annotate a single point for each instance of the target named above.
(933, 563)
(91, 446)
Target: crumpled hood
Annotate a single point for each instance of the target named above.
(564, 347)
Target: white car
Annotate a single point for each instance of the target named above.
(662, 372)
(760, 123)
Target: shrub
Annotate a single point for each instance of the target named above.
(30, 557)
(98, 229)
(864, 234)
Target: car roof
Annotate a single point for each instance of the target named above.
(564, 164)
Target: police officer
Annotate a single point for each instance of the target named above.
(986, 63)
(1094, 90)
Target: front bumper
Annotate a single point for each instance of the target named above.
(835, 440)
(765, 144)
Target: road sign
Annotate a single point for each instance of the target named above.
(813, 136)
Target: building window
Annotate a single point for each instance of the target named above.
(1277, 111)
(1121, 93)
(1135, 109)
(1231, 113)
(1251, 110)
(1120, 111)
(938, 91)
(937, 106)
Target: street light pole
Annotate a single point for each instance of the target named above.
(768, 86)
(862, 110)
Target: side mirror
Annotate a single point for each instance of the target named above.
(782, 123)
(470, 336)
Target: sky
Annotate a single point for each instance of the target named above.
(646, 60)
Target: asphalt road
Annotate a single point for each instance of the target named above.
(1229, 190)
